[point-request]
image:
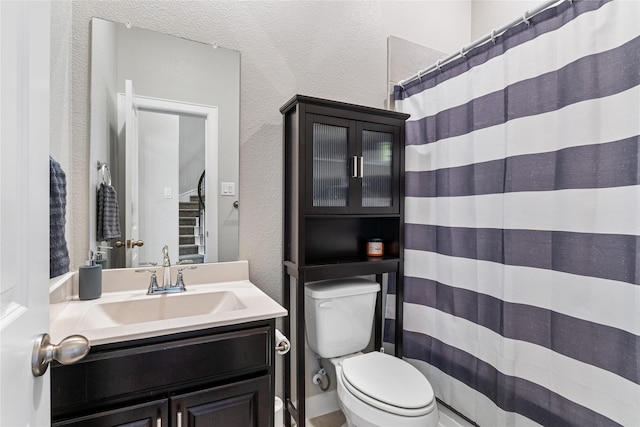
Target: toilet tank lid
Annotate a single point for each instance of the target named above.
(336, 288)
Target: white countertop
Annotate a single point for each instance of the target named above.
(226, 286)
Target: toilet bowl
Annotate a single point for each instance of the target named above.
(376, 389)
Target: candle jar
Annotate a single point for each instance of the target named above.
(375, 247)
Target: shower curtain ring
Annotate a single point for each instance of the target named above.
(493, 36)
(438, 65)
(420, 75)
(525, 18)
(463, 53)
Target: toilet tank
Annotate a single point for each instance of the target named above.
(339, 315)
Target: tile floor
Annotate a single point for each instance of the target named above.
(336, 419)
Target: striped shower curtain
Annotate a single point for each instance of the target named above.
(522, 240)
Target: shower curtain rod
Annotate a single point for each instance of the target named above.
(491, 36)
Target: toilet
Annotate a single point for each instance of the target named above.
(374, 389)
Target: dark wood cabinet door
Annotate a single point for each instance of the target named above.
(242, 404)
(150, 414)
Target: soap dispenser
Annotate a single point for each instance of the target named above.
(100, 256)
(90, 279)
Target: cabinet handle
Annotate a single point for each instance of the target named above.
(179, 419)
(159, 422)
(355, 166)
(361, 167)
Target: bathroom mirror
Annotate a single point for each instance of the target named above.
(165, 120)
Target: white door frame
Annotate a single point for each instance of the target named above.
(210, 114)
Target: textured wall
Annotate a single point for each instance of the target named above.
(329, 49)
(493, 14)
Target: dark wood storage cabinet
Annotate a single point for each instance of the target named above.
(216, 377)
(343, 185)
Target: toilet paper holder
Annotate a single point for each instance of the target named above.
(282, 346)
(282, 343)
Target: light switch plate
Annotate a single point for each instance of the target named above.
(228, 188)
(168, 193)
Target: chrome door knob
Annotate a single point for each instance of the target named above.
(129, 243)
(70, 350)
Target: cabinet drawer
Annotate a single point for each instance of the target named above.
(146, 370)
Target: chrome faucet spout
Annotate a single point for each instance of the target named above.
(166, 264)
(166, 278)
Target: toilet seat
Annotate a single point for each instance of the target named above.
(388, 383)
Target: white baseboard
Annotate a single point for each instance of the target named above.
(321, 404)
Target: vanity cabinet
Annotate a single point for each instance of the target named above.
(343, 186)
(221, 376)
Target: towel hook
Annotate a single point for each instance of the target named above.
(106, 173)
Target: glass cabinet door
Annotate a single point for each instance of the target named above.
(330, 165)
(377, 169)
(353, 166)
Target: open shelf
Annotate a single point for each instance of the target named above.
(336, 240)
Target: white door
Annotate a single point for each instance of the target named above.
(132, 202)
(24, 209)
(158, 184)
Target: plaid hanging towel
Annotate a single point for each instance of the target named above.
(108, 213)
(58, 252)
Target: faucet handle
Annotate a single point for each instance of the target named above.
(153, 280)
(180, 279)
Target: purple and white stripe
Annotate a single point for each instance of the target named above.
(522, 237)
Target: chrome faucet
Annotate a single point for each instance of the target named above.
(166, 265)
(167, 287)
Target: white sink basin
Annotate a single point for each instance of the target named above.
(218, 294)
(158, 307)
